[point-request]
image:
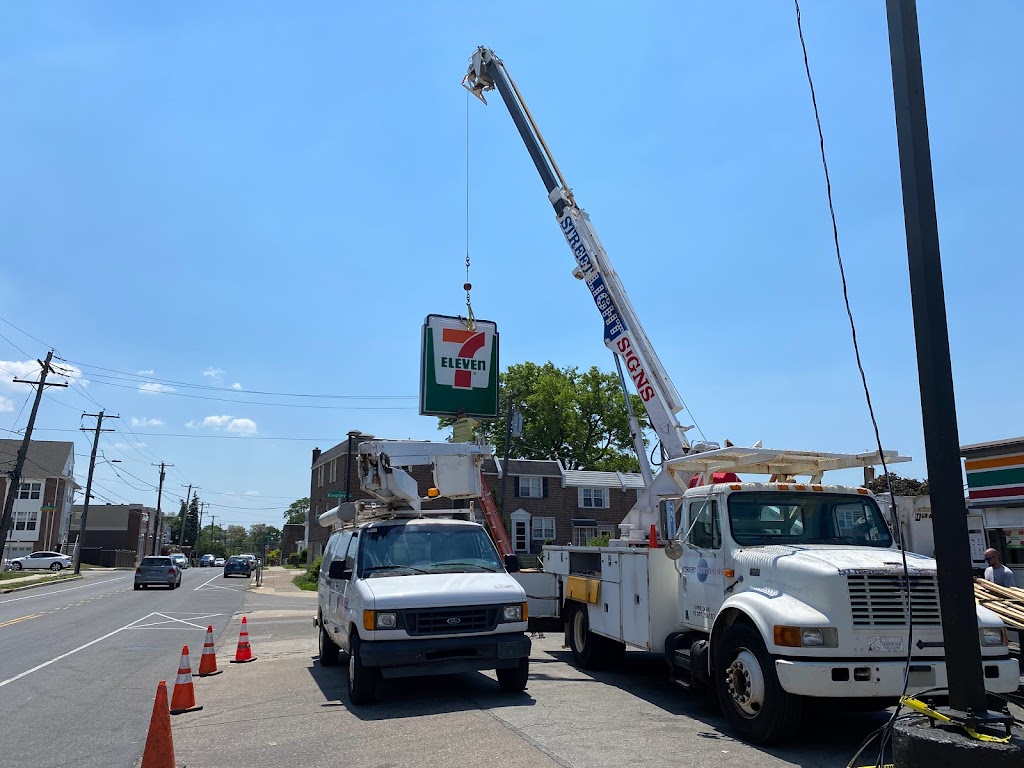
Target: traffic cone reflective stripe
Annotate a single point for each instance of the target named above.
(244, 652)
(184, 697)
(159, 752)
(208, 661)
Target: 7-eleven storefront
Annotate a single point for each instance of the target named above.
(995, 489)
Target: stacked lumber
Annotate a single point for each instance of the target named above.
(1008, 602)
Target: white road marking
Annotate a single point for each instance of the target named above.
(205, 583)
(58, 591)
(171, 619)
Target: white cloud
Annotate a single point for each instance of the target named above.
(6, 405)
(154, 388)
(144, 422)
(216, 375)
(192, 424)
(150, 372)
(252, 493)
(236, 385)
(122, 446)
(216, 421)
(242, 426)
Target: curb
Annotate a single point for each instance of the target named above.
(39, 584)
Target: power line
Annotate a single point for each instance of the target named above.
(26, 333)
(217, 437)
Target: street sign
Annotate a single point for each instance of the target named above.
(336, 495)
(459, 368)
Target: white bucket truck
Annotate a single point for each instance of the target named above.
(774, 592)
(405, 592)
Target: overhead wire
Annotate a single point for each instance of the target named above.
(888, 728)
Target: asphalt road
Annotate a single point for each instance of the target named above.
(566, 717)
(81, 660)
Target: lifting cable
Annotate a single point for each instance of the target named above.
(886, 732)
(469, 320)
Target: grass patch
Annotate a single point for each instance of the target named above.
(33, 577)
(309, 580)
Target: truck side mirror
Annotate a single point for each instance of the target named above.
(337, 570)
(512, 563)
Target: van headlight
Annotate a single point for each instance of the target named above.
(386, 620)
(515, 612)
(992, 636)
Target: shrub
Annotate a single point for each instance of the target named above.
(294, 559)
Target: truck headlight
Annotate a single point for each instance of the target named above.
(515, 612)
(806, 637)
(992, 636)
(386, 620)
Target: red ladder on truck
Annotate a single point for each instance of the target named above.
(493, 518)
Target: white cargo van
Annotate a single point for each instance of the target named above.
(405, 594)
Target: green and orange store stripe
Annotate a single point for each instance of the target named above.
(1001, 477)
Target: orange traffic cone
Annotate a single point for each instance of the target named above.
(244, 652)
(184, 697)
(159, 751)
(652, 540)
(208, 661)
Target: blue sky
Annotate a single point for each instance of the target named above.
(273, 196)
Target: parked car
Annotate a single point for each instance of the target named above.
(238, 565)
(254, 560)
(219, 562)
(160, 570)
(180, 560)
(207, 561)
(55, 561)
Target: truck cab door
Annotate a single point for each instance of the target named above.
(703, 565)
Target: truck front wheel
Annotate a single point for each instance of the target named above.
(362, 680)
(752, 700)
(513, 679)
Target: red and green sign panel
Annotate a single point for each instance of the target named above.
(459, 368)
(998, 478)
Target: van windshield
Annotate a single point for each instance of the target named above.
(397, 550)
(758, 518)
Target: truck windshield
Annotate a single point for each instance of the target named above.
(758, 518)
(397, 550)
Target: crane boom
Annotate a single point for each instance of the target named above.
(623, 333)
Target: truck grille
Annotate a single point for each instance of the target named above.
(450, 621)
(881, 601)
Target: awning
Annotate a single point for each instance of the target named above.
(584, 522)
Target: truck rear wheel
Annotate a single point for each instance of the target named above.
(588, 650)
(751, 697)
(362, 680)
(328, 649)
(513, 679)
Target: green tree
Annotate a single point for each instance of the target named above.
(901, 486)
(297, 512)
(235, 539)
(578, 417)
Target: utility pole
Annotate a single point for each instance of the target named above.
(202, 507)
(88, 483)
(158, 527)
(348, 464)
(14, 482)
(184, 517)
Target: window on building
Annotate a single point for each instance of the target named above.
(24, 521)
(594, 498)
(543, 528)
(30, 490)
(581, 535)
(320, 476)
(531, 487)
(334, 470)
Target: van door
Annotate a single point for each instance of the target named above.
(336, 587)
(703, 580)
(349, 609)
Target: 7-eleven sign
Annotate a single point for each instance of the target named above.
(459, 368)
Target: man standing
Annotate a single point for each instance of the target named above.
(996, 572)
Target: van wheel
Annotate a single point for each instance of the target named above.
(513, 679)
(328, 649)
(752, 699)
(362, 680)
(585, 645)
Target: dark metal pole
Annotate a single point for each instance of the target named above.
(504, 464)
(88, 485)
(938, 407)
(348, 465)
(158, 526)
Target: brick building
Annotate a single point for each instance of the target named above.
(543, 501)
(121, 527)
(42, 506)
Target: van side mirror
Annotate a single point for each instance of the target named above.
(512, 563)
(337, 570)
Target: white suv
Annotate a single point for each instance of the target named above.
(417, 596)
